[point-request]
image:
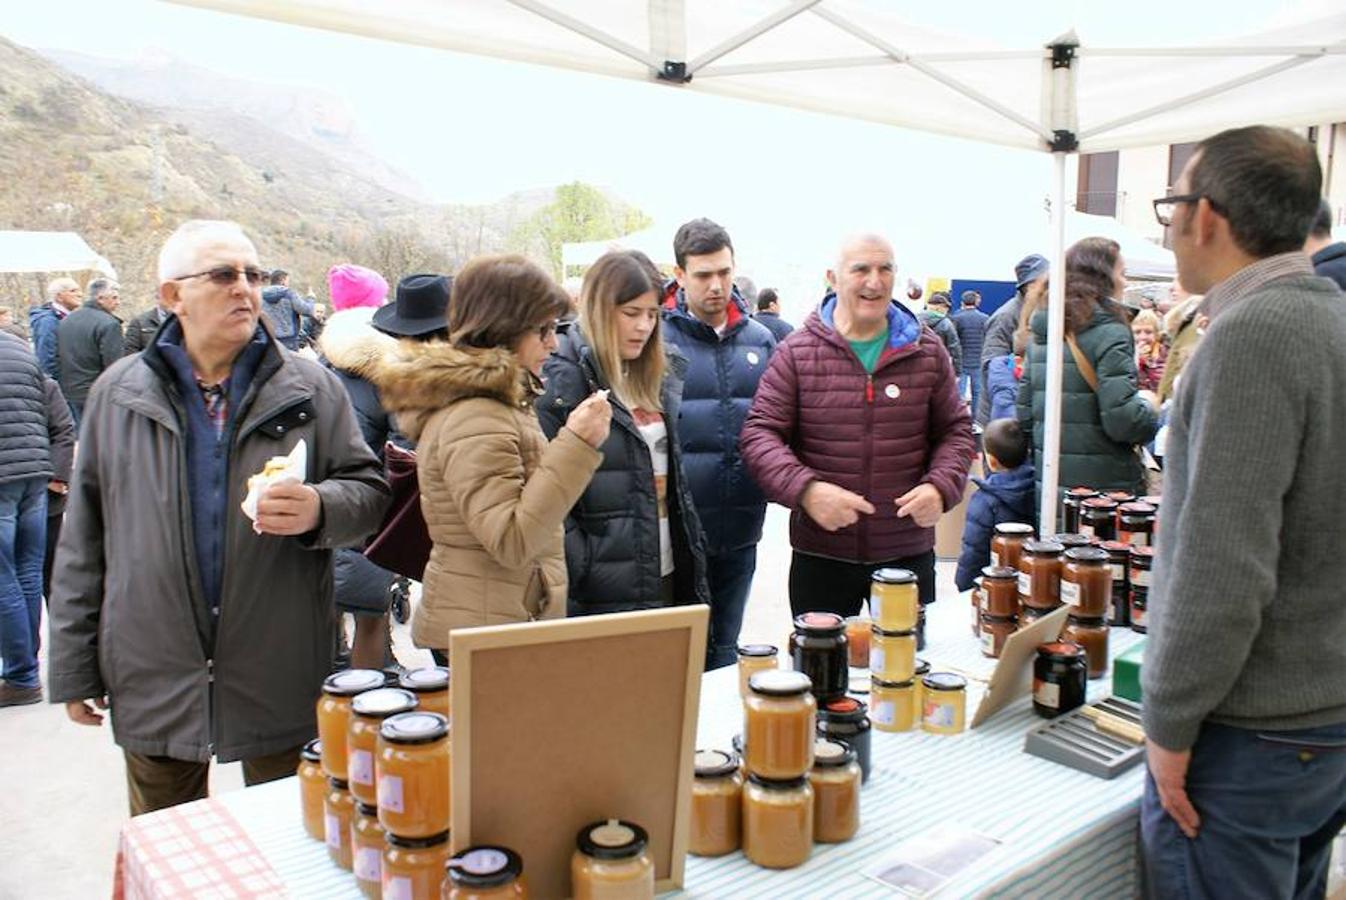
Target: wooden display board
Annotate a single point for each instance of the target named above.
(558, 724)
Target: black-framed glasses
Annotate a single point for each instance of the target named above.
(547, 329)
(225, 276)
(1163, 206)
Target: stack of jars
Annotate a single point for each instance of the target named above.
(1086, 587)
(780, 718)
(1039, 579)
(894, 602)
(998, 611)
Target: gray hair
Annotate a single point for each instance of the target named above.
(100, 286)
(179, 251)
(56, 285)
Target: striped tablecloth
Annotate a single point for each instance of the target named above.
(1063, 833)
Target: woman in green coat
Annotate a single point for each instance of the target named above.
(1104, 416)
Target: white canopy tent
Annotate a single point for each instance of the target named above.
(857, 58)
(49, 251)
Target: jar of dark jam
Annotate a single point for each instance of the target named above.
(847, 720)
(999, 591)
(1060, 678)
(818, 649)
(1086, 582)
(1070, 507)
(1140, 603)
(1040, 574)
(1135, 524)
(1008, 542)
(1142, 561)
(1119, 561)
(1098, 519)
(1092, 635)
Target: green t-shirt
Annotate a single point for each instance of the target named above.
(869, 351)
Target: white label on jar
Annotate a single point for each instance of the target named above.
(939, 714)
(1140, 577)
(1118, 572)
(398, 887)
(884, 712)
(999, 560)
(362, 767)
(390, 793)
(876, 657)
(988, 642)
(369, 864)
(1047, 694)
(1139, 539)
(1070, 593)
(1025, 584)
(332, 829)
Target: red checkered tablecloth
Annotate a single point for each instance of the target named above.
(196, 850)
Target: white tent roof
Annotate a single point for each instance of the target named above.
(49, 251)
(977, 78)
(655, 242)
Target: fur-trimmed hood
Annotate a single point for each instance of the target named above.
(350, 343)
(418, 379)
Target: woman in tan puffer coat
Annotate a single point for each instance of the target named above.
(493, 490)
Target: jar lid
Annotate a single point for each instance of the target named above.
(910, 682)
(1081, 493)
(1136, 509)
(381, 703)
(1120, 496)
(756, 651)
(779, 784)
(1043, 548)
(1087, 555)
(613, 839)
(780, 683)
(339, 784)
(349, 682)
(312, 751)
(842, 708)
(820, 623)
(369, 810)
(944, 681)
(999, 572)
(714, 764)
(1116, 548)
(416, 843)
(1070, 540)
(1063, 650)
(1145, 553)
(922, 667)
(894, 576)
(829, 754)
(987, 617)
(1015, 528)
(414, 728)
(1086, 621)
(1101, 503)
(879, 631)
(425, 680)
(484, 866)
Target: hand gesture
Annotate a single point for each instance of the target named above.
(832, 506)
(922, 503)
(591, 420)
(288, 508)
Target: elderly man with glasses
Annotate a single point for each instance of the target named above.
(88, 341)
(208, 633)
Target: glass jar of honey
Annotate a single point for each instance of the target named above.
(367, 848)
(780, 720)
(995, 630)
(338, 811)
(945, 703)
(846, 720)
(1007, 543)
(485, 872)
(894, 599)
(312, 789)
(1070, 506)
(1135, 524)
(334, 715)
(1000, 591)
(1119, 560)
(1060, 674)
(893, 705)
(1040, 574)
(431, 687)
(753, 658)
(1092, 635)
(612, 862)
(1142, 562)
(368, 711)
(415, 867)
(818, 649)
(717, 804)
(1086, 581)
(857, 641)
(1098, 519)
(1140, 604)
(412, 774)
(836, 792)
(892, 655)
(777, 822)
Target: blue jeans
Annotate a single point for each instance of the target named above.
(1270, 803)
(730, 576)
(23, 539)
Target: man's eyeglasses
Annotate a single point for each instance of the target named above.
(547, 330)
(225, 276)
(1163, 207)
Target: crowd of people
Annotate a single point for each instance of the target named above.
(616, 451)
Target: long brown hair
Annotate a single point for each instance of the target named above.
(498, 299)
(1089, 286)
(617, 278)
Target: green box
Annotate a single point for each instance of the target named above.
(1126, 672)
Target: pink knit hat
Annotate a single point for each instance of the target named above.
(351, 286)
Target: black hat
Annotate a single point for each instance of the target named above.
(422, 306)
(1030, 269)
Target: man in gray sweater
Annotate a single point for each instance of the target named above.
(1245, 670)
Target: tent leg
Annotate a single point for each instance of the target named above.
(1056, 321)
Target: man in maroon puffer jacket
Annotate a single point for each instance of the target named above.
(858, 427)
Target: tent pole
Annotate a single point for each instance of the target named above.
(1056, 322)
